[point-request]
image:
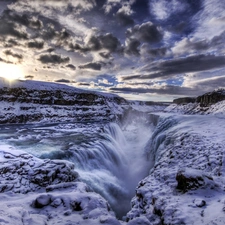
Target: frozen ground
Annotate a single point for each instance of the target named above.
(40, 192)
(172, 163)
(186, 183)
(217, 109)
(103, 153)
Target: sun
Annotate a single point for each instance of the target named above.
(11, 71)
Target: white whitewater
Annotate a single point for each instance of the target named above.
(108, 157)
(116, 163)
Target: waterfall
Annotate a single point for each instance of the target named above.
(115, 163)
(110, 158)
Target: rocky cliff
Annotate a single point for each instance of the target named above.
(208, 103)
(211, 98)
(185, 100)
(33, 101)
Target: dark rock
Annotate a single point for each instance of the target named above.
(41, 201)
(211, 98)
(190, 179)
(77, 206)
(200, 203)
(40, 105)
(185, 100)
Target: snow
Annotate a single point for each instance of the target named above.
(47, 86)
(35, 191)
(179, 150)
(182, 148)
(217, 109)
(192, 145)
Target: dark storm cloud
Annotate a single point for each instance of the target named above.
(107, 41)
(50, 50)
(12, 16)
(15, 55)
(132, 47)
(5, 61)
(11, 43)
(105, 55)
(146, 32)
(83, 84)
(92, 66)
(35, 44)
(29, 77)
(71, 66)
(10, 28)
(62, 81)
(50, 32)
(209, 84)
(78, 48)
(156, 52)
(124, 19)
(53, 58)
(94, 44)
(164, 90)
(23, 19)
(181, 65)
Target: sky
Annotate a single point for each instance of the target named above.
(151, 50)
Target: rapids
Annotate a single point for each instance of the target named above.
(109, 157)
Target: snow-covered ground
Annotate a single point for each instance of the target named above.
(50, 173)
(39, 192)
(195, 108)
(34, 101)
(186, 184)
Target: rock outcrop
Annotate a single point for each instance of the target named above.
(40, 192)
(211, 98)
(186, 176)
(33, 101)
(185, 100)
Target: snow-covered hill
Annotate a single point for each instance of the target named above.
(186, 184)
(40, 192)
(24, 101)
(195, 108)
(209, 103)
(33, 101)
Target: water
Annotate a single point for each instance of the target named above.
(109, 157)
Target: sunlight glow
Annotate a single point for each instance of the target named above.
(11, 71)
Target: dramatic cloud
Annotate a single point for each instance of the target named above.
(92, 66)
(29, 21)
(9, 28)
(124, 15)
(62, 81)
(183, 65)
(146, 32)
(132, 47)
(138, 48)
(72, 67)
(13, 54)
(35, 44)
(53, 59)
(165, 90)
(107, 41)
(29, 77)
